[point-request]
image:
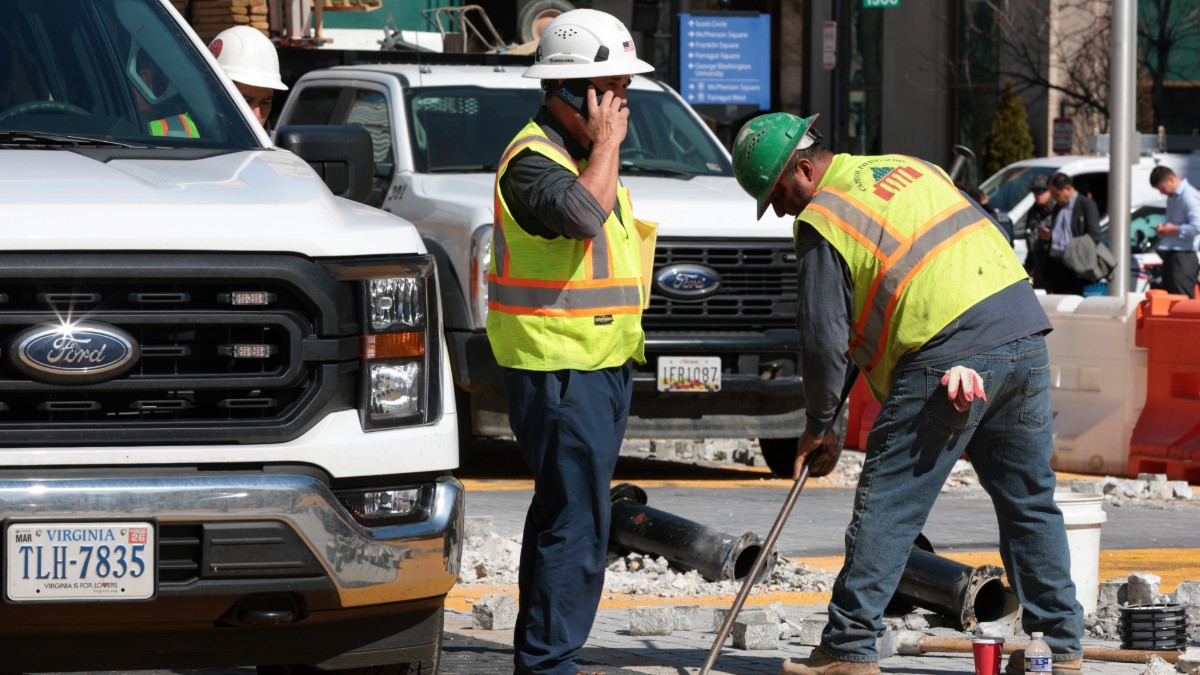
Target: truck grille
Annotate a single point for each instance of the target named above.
(181, 311)
(757, 291)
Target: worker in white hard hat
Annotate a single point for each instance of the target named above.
(249, 59)
(564, 321)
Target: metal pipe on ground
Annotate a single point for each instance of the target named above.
(912, 643)
(963, 594)
(686, 544)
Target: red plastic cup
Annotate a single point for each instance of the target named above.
(988, 651)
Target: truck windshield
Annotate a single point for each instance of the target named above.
(466, 129)
(117, 72)
(1011, 184)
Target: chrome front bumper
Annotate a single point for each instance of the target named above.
(367, 566)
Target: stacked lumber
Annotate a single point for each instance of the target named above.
(210, 17)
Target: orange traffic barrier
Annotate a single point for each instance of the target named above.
(863, 409)
(1166, 438)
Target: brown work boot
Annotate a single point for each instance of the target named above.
(820, 663)
(1016, 665)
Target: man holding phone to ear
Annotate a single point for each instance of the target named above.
(564, 321)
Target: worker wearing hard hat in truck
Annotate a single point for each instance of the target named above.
(564, 320)
(945, 326)
(249, 59)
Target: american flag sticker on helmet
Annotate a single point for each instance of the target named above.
(628, 45)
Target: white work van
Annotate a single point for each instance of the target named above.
(723, 298)
(1008, 190)
(226, 422)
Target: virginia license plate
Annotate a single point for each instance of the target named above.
(79, 561)
(689, 373)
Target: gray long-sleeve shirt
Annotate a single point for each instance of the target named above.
(545, 197)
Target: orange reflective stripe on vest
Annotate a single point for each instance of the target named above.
(898, 269)
(597, 293)
(177, 125)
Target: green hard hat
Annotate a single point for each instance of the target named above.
(761, 150)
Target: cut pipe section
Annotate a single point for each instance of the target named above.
(965, 595)
(686, 544)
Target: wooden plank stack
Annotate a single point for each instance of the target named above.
(210, 17)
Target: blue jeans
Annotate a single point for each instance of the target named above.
(914, 444)
(569, 424)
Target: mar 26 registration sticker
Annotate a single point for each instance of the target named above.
(55, 561)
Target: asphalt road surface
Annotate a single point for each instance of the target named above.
(961, 520)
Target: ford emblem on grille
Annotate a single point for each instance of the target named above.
(74, 353)
(687, 281)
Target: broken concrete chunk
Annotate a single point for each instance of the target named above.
(1142, 588)
(1157, 666)
(1087, 487)
(651, 620)
(497, 611)
(755, 632)
(1112, 593)
(683, 617)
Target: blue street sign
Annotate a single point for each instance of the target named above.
(725, 58)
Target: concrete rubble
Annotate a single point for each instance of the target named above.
(495, 612)
(1148, 489)
(493, 559)
(1157, 666)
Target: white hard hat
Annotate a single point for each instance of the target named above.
(585, 43)
(247, 56)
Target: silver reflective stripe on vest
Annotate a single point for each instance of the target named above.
(600, 253)
(893, 277)
(853, 215)
(563, 299)
(499, 245)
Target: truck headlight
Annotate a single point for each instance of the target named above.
(481, 257)
(400, 339)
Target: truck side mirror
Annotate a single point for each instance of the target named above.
(342, 155)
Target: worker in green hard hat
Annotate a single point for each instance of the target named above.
(902, 275)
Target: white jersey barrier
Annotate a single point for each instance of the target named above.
(1097, 379)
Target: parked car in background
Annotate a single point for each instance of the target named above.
(1008, 189)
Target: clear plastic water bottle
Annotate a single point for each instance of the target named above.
(1037, 656)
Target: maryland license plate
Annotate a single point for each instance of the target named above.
(79, 561)
(689, 373)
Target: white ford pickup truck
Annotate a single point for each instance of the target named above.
(227, 425)
(721, 338)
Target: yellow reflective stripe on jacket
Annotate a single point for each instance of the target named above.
(919, 254)
(559, 303)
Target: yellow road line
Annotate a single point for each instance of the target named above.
(1172, 564)
(504, 484)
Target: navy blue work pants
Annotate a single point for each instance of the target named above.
(569, 424)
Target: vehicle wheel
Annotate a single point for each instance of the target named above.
(538, 14)
(780, 453)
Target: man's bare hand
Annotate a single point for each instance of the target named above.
(825, 451)
(1167, 229)
(608, 118)
(963, 385)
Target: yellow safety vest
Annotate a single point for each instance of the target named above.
(179, 126)
(563, 303)
(919, 254)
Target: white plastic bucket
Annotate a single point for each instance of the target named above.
(1083, 515)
